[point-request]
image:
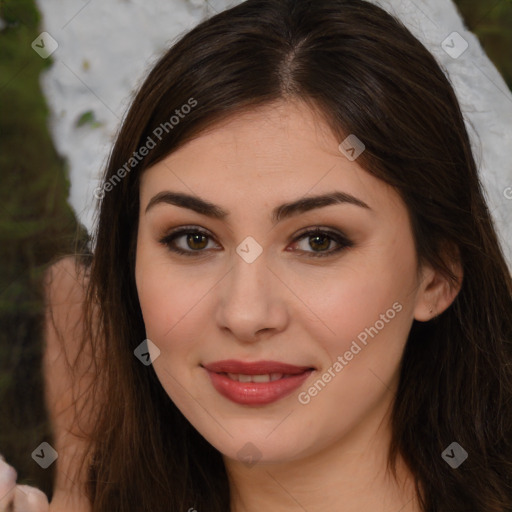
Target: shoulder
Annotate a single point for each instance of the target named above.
(67, 278)
(67, 379)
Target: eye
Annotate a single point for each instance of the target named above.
(320, 239)
(195, 240)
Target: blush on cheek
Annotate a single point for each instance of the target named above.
(374, 327)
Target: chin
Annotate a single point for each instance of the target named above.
(251, 447)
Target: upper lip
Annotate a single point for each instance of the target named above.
(255, 367)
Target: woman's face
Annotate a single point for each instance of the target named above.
(253, 287)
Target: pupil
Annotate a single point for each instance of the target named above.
(325, 238)
(192, 239)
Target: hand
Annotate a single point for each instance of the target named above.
(19, 498)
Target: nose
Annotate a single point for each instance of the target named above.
(252, 301)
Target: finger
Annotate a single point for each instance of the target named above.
(30, 499)
(8, 477)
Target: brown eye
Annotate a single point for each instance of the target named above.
(320, 240)
(192, 241)
(196, 241)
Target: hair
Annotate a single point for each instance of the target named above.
(366, 74)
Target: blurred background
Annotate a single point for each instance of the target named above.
(37, 223)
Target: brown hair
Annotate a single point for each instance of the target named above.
(367, 75)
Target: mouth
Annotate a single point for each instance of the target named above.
(256, 383)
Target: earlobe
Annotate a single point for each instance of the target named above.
(426, 301)
(437, 292)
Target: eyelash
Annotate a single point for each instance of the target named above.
(342, 240)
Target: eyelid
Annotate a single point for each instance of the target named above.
(335, 234)
(181, 231)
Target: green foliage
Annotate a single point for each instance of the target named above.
(491, 21)
(22, 12)
(36, 225)
(88, 118)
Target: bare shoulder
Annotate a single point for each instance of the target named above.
(67, 380)
(66, 283)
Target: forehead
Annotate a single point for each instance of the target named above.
(276, 152)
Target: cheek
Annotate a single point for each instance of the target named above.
(165, 299)
(172, 300)
(365, 313)
(169, 303)
(155, 297)
(357, 298)
(368, 321)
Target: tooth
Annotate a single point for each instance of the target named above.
(261, 378)
(267, 377)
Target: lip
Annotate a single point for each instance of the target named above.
(256, 393)
(255, 367)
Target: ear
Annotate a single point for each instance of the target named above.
(437, 291)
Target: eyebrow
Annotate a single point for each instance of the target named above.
(279, 213)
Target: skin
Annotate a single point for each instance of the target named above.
(65, 294)
(19, 498)
(287, 306)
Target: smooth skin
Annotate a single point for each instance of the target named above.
(287, 305)
(65, 294)
(19, 498)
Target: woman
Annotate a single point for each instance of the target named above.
(292, 231)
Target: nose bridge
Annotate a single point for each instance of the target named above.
(250, 300)
(250, 278)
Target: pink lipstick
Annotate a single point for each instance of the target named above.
(256, 383)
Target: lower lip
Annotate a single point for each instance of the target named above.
(256, 393)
